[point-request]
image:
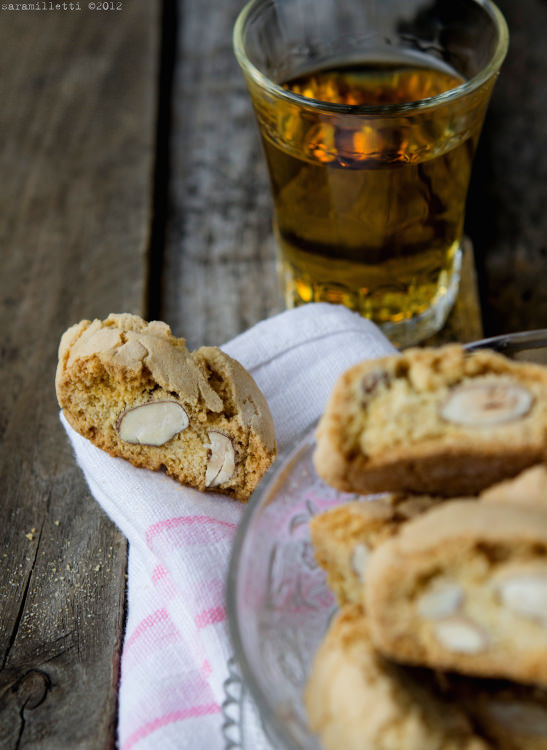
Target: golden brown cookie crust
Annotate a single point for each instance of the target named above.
(528, 488)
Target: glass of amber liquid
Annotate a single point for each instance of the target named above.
(370, 112)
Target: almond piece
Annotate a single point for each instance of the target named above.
(526, 595)
(153, 423)
(442, 600)
(221, 461)
(486, 403)
(359, 560)
(373, 380)
(460, 635)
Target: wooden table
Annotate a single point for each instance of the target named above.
(132, 179)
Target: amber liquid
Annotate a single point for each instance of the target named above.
(369, 214)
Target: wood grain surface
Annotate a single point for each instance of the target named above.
(219, 265)
(506, 216)
(77, 125)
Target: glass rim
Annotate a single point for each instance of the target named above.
(253, 7)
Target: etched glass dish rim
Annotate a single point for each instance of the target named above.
(258, 500)
(507, 343)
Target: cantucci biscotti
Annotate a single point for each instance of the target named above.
(134, 390)
(433, 420)
(528, 488)
(463, 588)
(344, 536)
(357, 700)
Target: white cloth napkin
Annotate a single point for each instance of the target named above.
(176, 644)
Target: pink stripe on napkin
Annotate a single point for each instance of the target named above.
(211, 616)
(190, 530)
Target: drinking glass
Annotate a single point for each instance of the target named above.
(369, 113)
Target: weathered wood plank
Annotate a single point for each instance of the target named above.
(219, 270)
(506, 209)
(77, 136)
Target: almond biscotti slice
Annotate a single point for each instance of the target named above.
(134, 390)
(436, 421)
(357, 700)
(463, 587)
(344, 536)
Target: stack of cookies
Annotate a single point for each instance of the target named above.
(440, 642)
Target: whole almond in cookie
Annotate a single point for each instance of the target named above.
(134, 390)
(440, 421)
(463, 588)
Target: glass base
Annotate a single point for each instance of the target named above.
(407, 331)
(413, 330)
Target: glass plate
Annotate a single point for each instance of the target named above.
(279, 605)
